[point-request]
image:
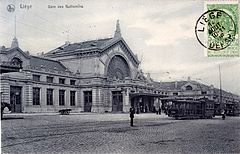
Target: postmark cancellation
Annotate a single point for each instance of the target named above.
(217, 29)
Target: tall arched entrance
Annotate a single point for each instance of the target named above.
(118, 69)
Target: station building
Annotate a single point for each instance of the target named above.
(100, 75)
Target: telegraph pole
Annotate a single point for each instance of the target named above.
(220, 83)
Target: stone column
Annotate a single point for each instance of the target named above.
(101, 100)
(110, 100)
(5, 92)
(79, 102)
(27, 99)
(106, 99)
(67, 98)
(94, 100)
(97, 100)
(126, 100)
(43, 98)
(55, 99)
(28, 95)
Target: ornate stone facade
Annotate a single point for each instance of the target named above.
(92, 76)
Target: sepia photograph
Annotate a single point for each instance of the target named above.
(120, 76)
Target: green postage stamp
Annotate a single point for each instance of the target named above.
(217, 29)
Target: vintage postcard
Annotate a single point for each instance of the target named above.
(120, 76)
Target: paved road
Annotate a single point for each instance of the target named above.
(111, 133)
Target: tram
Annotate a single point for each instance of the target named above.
(191, 109)
(232, 109)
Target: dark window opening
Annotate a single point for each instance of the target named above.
(189, 87)
(72, 82)
(49, 79)
(61, 97)
(87, 101)
(36, 77)
(49, 96)
(61, 81)
(72, 98)
(88, 96)
(36, 96)
(175, 93)
(16, 61)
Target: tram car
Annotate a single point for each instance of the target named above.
(232, 109)
(191, 109)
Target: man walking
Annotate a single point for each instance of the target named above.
(131, 116)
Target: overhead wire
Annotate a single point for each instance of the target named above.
(32, 26)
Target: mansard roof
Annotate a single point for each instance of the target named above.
(171, 87)
(81, 46)
(40, 62)
(37, 62)
(98, 45)
(177, 85)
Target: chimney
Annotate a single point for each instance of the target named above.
(27, 52)
(211, 86)
(67, 42)
(2, 48)
(149, 79)
(176, 84)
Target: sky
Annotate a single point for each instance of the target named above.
(160, 32)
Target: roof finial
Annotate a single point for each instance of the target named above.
(67, 42)
(118, 30)
(15, 41)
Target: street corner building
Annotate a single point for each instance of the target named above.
(100, 75)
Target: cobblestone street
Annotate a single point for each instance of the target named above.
(111, 133)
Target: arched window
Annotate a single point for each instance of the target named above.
(16, 61)
(189, 87)
(118, 68)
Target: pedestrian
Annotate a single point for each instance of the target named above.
(138, 110)
(131, 116)
(159, 111)
(223, 114)
(141, 108)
